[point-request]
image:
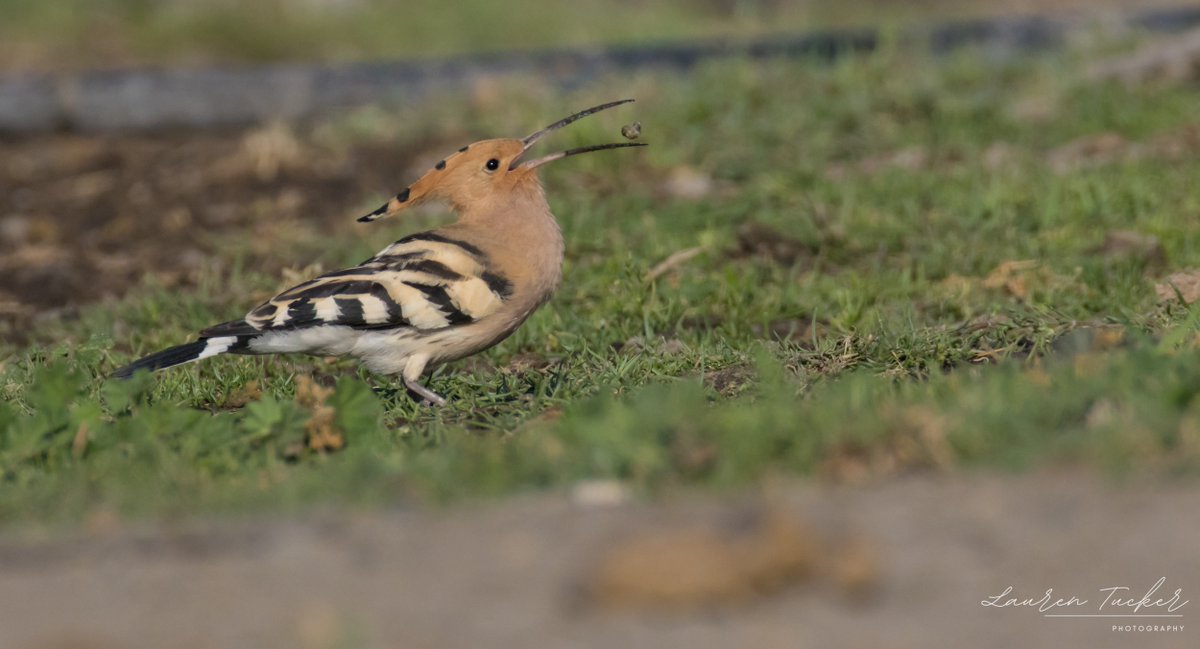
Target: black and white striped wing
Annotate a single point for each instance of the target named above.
(425, 281)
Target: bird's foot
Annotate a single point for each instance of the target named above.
(429, 397)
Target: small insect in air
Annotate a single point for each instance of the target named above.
(632, 131)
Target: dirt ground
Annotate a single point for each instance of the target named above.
(904, 563)
(83, 218)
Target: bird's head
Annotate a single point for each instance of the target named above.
(488, 170)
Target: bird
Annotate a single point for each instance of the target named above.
(429, 298)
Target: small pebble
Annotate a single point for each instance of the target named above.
(632, 131)
(599, 493)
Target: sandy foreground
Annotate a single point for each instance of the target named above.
(903, 563)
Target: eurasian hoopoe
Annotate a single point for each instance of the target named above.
(431, 297)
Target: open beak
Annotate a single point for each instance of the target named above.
(533, 139)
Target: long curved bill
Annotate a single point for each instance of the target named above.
(534, 137)
(537, 162)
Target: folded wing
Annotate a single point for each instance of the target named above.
(425, 281)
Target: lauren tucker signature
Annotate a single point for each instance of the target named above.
(1114, 601)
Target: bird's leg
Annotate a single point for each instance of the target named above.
(431, 398)
(412, 373)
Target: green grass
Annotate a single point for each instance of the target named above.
(916, 361)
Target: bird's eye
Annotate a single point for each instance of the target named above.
(492, 165)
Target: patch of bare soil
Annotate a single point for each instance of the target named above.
(731, 380)
(761, 240)
(1169, 59)
(901, 563)
(83, 218)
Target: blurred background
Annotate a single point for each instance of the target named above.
(105, 104)
(83, 34)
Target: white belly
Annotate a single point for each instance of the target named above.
(385, 351)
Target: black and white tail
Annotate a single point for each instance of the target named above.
(181, 354)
